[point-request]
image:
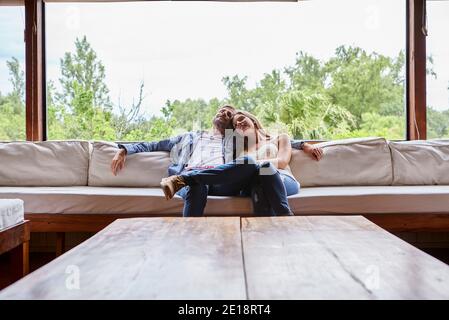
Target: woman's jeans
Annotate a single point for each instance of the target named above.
(269, 191)
(233, 179)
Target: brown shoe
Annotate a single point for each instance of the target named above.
(171, 185)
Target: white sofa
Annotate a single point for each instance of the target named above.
(71, 181)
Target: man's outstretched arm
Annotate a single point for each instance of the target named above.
(162, 145)
(118, 162)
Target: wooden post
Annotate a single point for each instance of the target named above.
(60, 243)
(416, 70)
(20, 263)
(35, 68)
(16, 240)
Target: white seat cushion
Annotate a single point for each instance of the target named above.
(105, 200)
(371, 199)
(11, 212)
(316, 200)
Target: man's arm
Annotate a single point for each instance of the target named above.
(162, 145)
(118, 162)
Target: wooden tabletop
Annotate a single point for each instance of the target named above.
(315, 257)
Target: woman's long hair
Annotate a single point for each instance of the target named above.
(258, 126)
(253, 118)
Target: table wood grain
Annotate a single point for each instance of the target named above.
(328, 257)
(315, 257)
(145, 258)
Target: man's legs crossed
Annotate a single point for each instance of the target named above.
(238, 173)
(224, 180)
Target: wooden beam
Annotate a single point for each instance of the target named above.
(34, 62)
(414, 222)
(416, 70)
(62, 1)
(60, 243)
(14, 236)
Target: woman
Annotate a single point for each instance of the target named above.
(275, 180)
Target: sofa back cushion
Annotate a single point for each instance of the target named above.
(420, 162)
(47, 163)
(349, 162)
(144, 169)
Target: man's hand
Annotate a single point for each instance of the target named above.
(118, 162)
(315, 152)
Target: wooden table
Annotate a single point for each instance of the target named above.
(316, 257)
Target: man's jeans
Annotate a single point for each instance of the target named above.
(234, 179)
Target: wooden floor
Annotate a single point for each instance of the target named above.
(233, 258)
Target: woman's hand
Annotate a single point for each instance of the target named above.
(315, 152)
(118, 162)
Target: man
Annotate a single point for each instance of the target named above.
(201, 150)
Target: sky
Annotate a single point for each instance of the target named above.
(183, 50)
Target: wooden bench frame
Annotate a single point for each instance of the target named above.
(62, 223)
(15, 240)
(394, 222)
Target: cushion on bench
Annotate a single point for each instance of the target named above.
(141, 169)
(423, 162)
(349, 162)
(315, 200)
(48, 163)
(11, 212)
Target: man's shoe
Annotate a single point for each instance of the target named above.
(171, 185)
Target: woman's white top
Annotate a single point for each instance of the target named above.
(269, 150)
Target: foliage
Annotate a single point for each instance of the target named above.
(352, 94)
(12, 106)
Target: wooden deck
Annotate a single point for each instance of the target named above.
(315, 257)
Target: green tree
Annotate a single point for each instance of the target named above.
(353, 94)
(191, 114)
(238, 94)
(437, 123)
(365, 83)
(308, 73)
(84, 68)
(12, 106)
(313, 116)
(82, 108)
(376, 125)
(17, 79)
(124, 122)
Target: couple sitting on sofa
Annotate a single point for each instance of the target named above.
(237, 158)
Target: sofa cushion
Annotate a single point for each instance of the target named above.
(144, 169)
(112, 200)
(420, 162)
(315, 200)
(371, 200)
(349, 162)
(48, 163)
(11, 212)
